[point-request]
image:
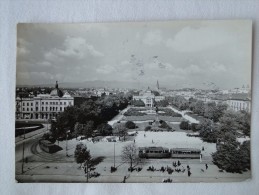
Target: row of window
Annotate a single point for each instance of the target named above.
(53, 103)
(46, 109)
(236, 104)
(28, 104)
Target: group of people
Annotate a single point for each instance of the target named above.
(175, 164)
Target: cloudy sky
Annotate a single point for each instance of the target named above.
(201, 54)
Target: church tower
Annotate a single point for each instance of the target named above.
(157, 85)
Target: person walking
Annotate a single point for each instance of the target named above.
(206, 165)
(189, 173)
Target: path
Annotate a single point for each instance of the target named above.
(185, 116)
(119, 116)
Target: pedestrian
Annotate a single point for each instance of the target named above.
(179, 163)
(188, 167)
(202, 148)
(189, 173)
(134, 140)
(124, 179)
(144, 135)
(206, 166)
(152, 141)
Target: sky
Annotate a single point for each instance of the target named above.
(179, 54)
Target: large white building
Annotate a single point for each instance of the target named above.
(239, 102)
(148, 98)
(43, 106)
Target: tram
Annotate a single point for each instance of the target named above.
(162, 152)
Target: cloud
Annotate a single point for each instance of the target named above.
(198, 39)
(153, 38)
(73, 47)
(22, 47)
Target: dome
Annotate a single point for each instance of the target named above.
(56, 91)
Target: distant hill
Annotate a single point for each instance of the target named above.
(96, 84)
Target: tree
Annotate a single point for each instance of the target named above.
(130, 125)
(129, 155)
(88, 129)
(121, 131)
(138, 103)
(199, 107)
(209, 131)
(233, 157)
(82, 155)
(104, 129)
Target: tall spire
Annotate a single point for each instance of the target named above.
(157, 85)
(56, 86)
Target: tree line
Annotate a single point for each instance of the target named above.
(93, 114)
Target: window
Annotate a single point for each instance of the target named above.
(70, 103)
(36, 108)
(27, 109)
(46, 108)
(47, 103)
(60, 103)
(50, 103)
(60, 108)
(31, 109)
(23, 109)
(23, 104)
(42, 108)
(65, 103)
(31, 104)
(56, 103)
(28, 104)
(42, 103)
(50, 108)
(37, 103)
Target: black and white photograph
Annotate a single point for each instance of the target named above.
(133, 102)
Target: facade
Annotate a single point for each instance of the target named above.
(239, 102)
(238, 105)
(148, 98)
(43, 106)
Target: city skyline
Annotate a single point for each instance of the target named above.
(180, 54)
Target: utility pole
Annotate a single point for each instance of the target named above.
(114, 155)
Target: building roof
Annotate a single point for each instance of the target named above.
(56, 91)
(240, 96)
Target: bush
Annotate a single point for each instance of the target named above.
(184, 125)
(164, 125)
(130, 125)
(195, 127)
(147, 128)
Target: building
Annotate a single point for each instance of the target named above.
(148, 98)
(239, 102)
(43, 106)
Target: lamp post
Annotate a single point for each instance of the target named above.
(66, 142)
(114, 155)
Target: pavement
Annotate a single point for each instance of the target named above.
(186, 117)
